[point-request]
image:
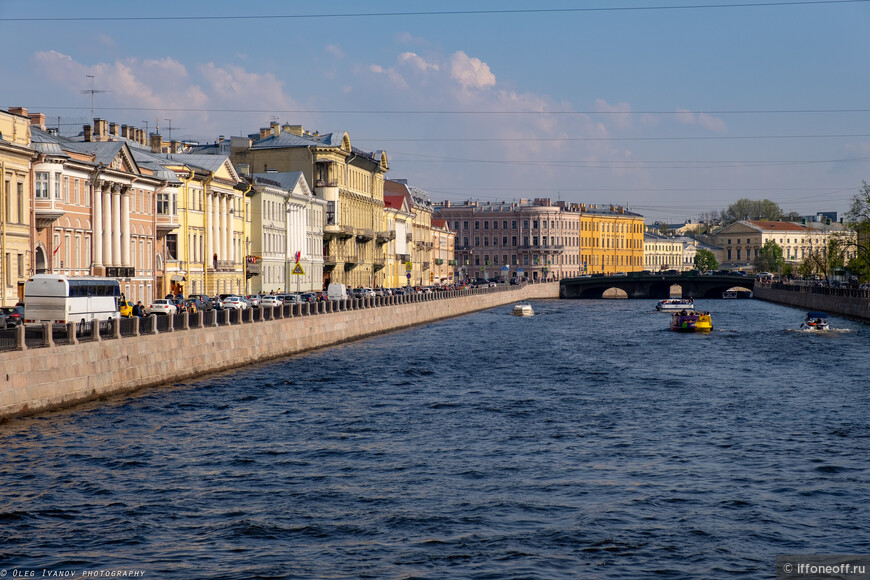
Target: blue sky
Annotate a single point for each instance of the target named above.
(670, 107)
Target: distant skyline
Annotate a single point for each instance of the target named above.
(673, 109)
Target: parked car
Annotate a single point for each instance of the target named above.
(126, 308)
(254, 300)
(162, 306)
(270, 301)
(14, 315)
(308, 297)
(194, 305)
(365, 293)
(234, 302)
(289, 298)
(336, 291)
(207, 303)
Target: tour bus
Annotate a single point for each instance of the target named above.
(60, 299)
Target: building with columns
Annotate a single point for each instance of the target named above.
(94, 209)
(201, 223)
(16, 157)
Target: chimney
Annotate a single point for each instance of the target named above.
(275, 128)
(37, 119)
(18, 111)
(113, 130)
(140, 136)
(294, 129)
(86, 129)
(156, 143)
(125, 131)
(264, 132)
(173, 146)
(100, 129)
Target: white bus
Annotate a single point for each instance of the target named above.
(60, 299)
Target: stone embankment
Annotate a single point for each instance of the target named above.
(34, 380)
(846, 302)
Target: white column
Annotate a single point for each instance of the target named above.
(125, 228)
(209, 241)
(231, 227)
(97, 238)
(107, 224)
(116, 227)
(215, 226)
(224, 231)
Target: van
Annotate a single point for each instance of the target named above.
(336, 291)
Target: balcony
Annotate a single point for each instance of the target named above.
(403, 257)
(365, 235)
(409, 237)
(351, 262)
(426, 265)
(452, 262)
(325, 183)
(46, 214)
(378, 264)
(166, 223)
(336, 231)
(329, 261)
(224, 266)
(438, 261)
(384, 237)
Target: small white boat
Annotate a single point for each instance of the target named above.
(815, 321)
(675, 305)
(523, 310)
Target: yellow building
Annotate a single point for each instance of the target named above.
(443, 243)
(398, 225)
(611, 239)
(349, 180)
(201, 224)
(15, 192)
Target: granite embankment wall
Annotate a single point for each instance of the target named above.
(843, 302)
(42, 379)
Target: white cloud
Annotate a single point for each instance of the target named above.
(703, 120)
(470, 72)
(334, 50)
(619, 113)
(416, 62)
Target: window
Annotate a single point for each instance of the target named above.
(58, 192)
(513, 224)
(465, 225)
(477, 225)
(535, 224)
(504, 227)
(486, 225)
(41, 185)
(513, 240)
(504, 242)
(456, 226)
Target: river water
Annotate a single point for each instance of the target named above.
(585, 442)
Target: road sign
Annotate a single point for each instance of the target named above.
(298, 271)
(409, 266)
(408, 275)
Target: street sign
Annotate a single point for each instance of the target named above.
(298, 271)
(409, 266)
(408, 275)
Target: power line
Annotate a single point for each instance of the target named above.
(473, 112)
(518, 11)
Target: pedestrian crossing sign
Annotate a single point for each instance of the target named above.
(298, 270)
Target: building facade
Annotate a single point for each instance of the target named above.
(16, 252)
(542, 240)
(742, 241)
(351, 183)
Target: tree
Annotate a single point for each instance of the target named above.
(858, 220)
(769, 258)
(705, 260)
(828, 260)
(747, 209)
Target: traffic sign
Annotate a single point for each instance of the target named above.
(409, 266)
(298, 271)
(408, 275)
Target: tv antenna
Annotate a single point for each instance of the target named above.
(92, 91)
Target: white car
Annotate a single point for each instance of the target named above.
(270, 301)
(366, 293)
(162, 306)
(234, 302)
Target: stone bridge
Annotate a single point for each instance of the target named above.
(638, 285)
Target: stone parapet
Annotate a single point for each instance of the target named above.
(41, 379)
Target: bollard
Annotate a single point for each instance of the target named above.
(46, 334)
(116, 328)
(20, 343)
(136, 320)
(95, 330)
(152, 320)
(71, 333)
(185, 323)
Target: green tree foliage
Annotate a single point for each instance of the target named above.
(705, 260)
(858, 220)
(829, 259)
(748, 209)
(769, 257)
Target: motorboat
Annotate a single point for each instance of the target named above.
(685, 321)
(816, 321)
(523, 310)
(675, 304)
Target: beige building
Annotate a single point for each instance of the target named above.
(15, 205)
(443, 262)
(349, 180)
(94, 208)
(662, 253)
(742, 241)
(398, 227)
